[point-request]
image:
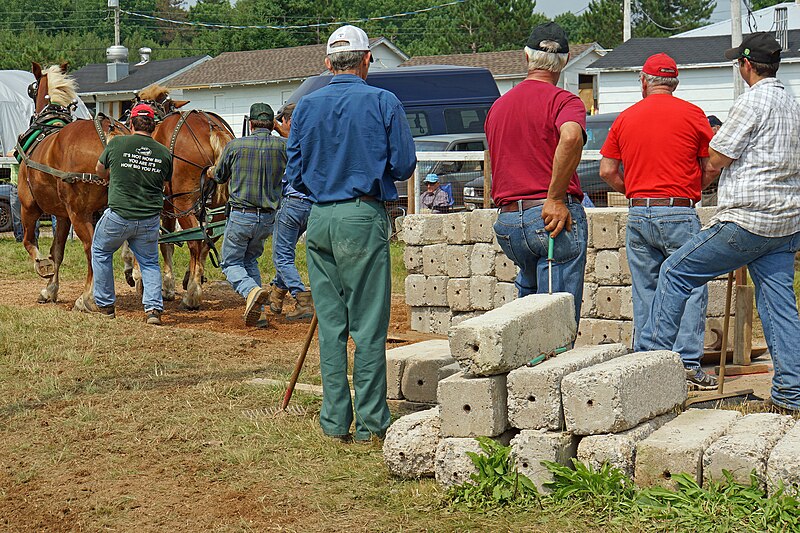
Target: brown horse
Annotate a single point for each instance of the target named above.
(195, 139)
(63, 181)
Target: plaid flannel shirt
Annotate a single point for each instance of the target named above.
(760, 190)
(254, 165)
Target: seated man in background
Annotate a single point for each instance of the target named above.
(434, 199)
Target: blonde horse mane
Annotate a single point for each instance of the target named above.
(154, 93)
(219, 138)
(63, 89)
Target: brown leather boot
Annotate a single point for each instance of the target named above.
(303, 307)
(276, 297)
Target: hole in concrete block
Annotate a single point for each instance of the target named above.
(467, 408)
(420, 382)
(531, 398)
(475, 347)
(608, 299)
(590, 403)
(666, 474)
(524, 465)
(402, 454)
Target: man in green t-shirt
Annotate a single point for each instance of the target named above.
(136, 167)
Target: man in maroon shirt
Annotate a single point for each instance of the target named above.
(536, 133)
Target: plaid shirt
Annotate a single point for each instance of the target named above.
(760, 190)
(254, 165)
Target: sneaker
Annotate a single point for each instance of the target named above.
(153, 317)
(107, 311)
(346, 439)
(699, 380)
(252, 310)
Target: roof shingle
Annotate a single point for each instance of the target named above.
(93, 78)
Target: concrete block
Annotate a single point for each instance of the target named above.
(421, 372)
(433, 260)
(423, 229)
(453, 465)
(440, 320)
(784, 462)
(456, 228)
(415, 290)
(622, 393)
(608, 227)
(716, 298)
(481, 225)
(589, 301)
(421, 319)
(447, 371)
(481, 292)
(679, 445)
(503, 339)
(458, 318)
(745, 448)
(504, 268)
(483, 259)
(472, 407)
(504, 293)
(589, 275)
(534, 393)
(705, 214)
(409, 449)
(600, 331)
(618, 449)
(611, 268)
(396, 363)
(458, 259)
(531, 447)
(435, 293)
(412, 259)
(615, 302)
(458, 294)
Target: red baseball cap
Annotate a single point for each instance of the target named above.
(661, 65)
(143, 110)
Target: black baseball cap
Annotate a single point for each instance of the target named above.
(261, 111)
(760, 47)
(713, 120)
(549, 31)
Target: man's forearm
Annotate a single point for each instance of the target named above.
(565, 161)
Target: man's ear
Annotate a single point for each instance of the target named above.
(328, 64)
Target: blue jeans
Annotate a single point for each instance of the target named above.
(653, 234)
(142, 235)
(524, 240)
(245, 234)
(724, 247)
(291, 222)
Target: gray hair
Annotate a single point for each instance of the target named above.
(655, 81)
(551, 61)
(349, 60)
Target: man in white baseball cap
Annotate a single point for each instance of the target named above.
(348, 39)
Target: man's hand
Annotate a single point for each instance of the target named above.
(556, 217)
(282, 128)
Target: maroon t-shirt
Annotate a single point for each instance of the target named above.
(522, 128)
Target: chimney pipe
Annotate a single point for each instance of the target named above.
(117, 66)
(144, 54)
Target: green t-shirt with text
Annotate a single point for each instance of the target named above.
(138, 167)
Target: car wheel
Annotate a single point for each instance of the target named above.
(5, 216)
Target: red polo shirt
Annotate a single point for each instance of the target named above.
(659, 141)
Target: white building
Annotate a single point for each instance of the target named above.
(764, 19)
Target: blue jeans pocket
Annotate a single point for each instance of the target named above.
(743, 241)
(505, 244)
(566, 246)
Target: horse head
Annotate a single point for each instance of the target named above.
(52, 87)
(158, 97)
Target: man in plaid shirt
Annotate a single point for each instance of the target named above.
(254, 166)
(758, 221)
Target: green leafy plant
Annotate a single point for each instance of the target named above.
(604, 489)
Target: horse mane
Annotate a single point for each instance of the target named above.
(63, 89)
(154, 93)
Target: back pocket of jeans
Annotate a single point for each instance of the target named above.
(746, 242)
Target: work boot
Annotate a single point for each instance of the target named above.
(107, 311)
(303, 307)
(153, 317)
(276, 297)
(252, 310)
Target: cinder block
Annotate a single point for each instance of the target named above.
(615, 302)
(447, 371)
(626, 332)
(456, 228)
(679, 445)
(611, 268)
(409, 449)
(503, 339)
(600, 331)
(412, 259)
(608, 227)
(591, 261)
(483, 259)
(504, 293)
(531, 447)
(481, 292)
(458, 294)
(421, 319)
(472, 407)
(423, 229)
(440, 320)
(745, 448)
(415, 290)
(716, 298)
(618, 449)
(589, 301)
(435, 293)
(420, 376)
(622, 393)
(481, 224)
(453, 465)
(458, 318)
(433, 260)
(396, 363)
(504, 268)
(534, 393)
(783, 466)
(458, 260)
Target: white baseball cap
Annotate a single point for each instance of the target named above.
(355, 37)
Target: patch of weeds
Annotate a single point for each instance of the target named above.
(497, 484)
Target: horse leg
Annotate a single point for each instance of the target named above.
(84, 229)
(128, 263)
(42, 265)
(194, 292)
(50, 293)
(167, 251)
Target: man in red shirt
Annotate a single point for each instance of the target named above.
(662, 144)
(536, 133)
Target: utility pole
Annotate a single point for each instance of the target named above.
(736, 40)
(114, 4)
(626, 20)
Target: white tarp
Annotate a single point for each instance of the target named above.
(16, 107)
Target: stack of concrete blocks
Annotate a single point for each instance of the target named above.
(457, 271)
(413, 371)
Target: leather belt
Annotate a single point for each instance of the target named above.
(661, 202)
(527, 204)
(368, 198)
(254, 210)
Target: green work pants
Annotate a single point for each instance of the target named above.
(350, 275)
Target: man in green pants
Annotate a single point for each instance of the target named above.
(348, 144)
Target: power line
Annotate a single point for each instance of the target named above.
(656, 24)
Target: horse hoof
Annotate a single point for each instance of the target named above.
(46, 268)
(168, 296)
(186, 307)
(44, 299)
(129, 278)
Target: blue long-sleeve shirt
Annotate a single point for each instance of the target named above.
(347, 140)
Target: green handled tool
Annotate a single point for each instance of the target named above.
(545, 356)
(550, 266)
